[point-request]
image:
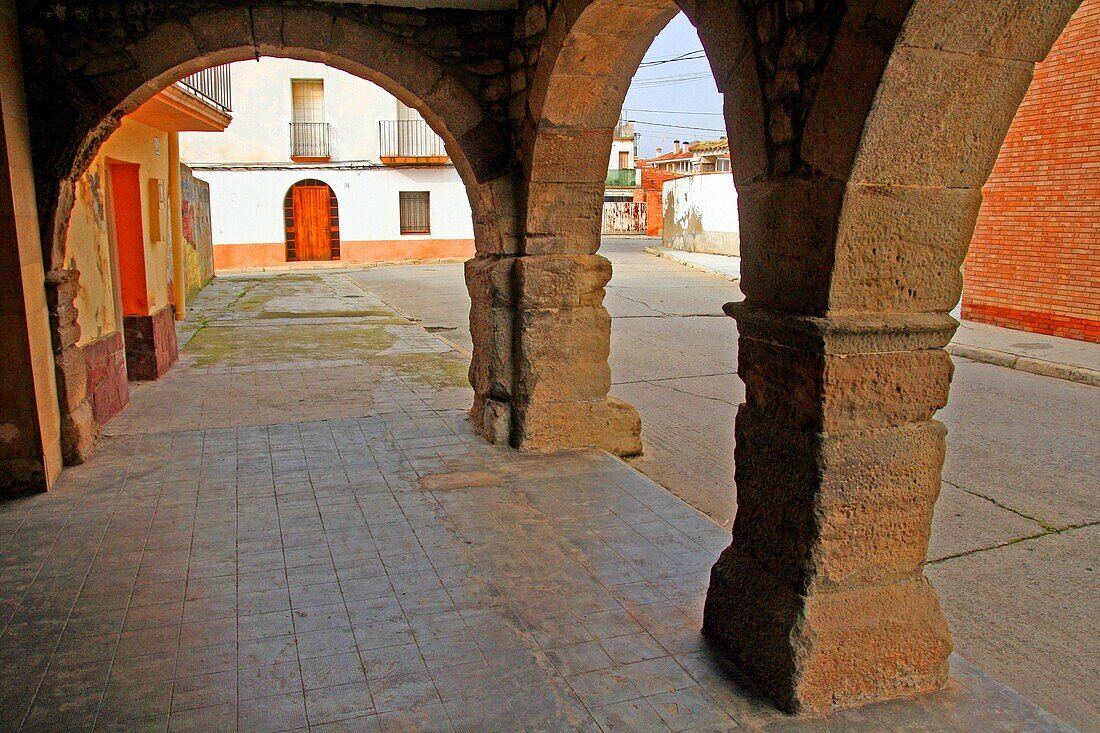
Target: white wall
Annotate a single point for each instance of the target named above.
(616, 146)
(701, 214)
(260, 131)
(247, 206)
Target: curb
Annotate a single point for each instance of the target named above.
(692, 265)
(1029, 364)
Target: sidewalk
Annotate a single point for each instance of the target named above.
(1051, 356)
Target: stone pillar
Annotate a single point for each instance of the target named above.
(30, 447)
(541, 334)
(563, 340)
(821, 596)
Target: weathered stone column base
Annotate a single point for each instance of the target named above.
(610, 424)
(150, 344)
(827, 651)
(79, 431)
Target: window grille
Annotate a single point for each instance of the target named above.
(415, 212)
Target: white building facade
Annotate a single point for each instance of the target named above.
(320, 165)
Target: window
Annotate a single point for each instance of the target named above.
(415, 212)
(308, 131)
(309, 99)
(624, 160)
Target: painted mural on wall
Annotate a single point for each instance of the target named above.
(197, 231)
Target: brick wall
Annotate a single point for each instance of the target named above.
(1034, 263)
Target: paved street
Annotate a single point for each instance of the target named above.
(1016, 542)
(297, 529)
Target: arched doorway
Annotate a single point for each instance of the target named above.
(312, 222)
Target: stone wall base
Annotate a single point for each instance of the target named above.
(150, 345)
(827, 651)
(107, 380)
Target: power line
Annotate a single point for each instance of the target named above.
(673, 112)
(687, 56)
(664, 81)
(678, 127)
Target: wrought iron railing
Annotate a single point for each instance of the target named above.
(622, 177)
(211, 86)
(309, 140)
(409, 139)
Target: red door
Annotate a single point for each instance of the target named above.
(312, 231)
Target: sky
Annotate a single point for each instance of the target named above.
(665, 98)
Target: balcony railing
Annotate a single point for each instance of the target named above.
(626, 177)
(309, 140)
(410, 139)
(211, 86)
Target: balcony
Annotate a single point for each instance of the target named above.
(201, 102)
(211, 86)
(410, 142)
(623, 178)
(309, 141)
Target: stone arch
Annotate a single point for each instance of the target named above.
(861, 134)
(290, 223)
(78, 105)
(175, 47)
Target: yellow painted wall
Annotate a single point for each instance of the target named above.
(87, 247)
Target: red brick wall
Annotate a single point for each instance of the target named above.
(1034, 262)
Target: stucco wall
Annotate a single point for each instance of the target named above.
(87, 246)
(700, 214)
(262, 112)
(247, 206)
(198, 239)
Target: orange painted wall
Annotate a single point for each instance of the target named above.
(1034, 262)
(129, 233)
(273, 254)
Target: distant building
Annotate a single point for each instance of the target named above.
(623, 180)
(321, 165)
(707, 156)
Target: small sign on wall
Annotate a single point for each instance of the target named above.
(158, 210)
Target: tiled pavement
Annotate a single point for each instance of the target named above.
(380, 571)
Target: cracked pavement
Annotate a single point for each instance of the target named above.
(1015, 548)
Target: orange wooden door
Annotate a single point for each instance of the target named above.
(312, 232)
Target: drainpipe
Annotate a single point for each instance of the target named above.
(179, 262)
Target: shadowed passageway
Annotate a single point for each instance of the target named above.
(272, 539)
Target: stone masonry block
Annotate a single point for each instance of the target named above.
(569, 216)
(571, 155)
(490, 280)
(563, 355)
(843, 392)
(835, 512)
(305, 27)
(899, 249)
(170, 44)
(609, 424)
(267, 27)
(847, 87)
(491, 368)
(374, 49)
(561, 281)
(939, 119)
(827, 651)
(788, 232)
(222, 28)
(1009, 29)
